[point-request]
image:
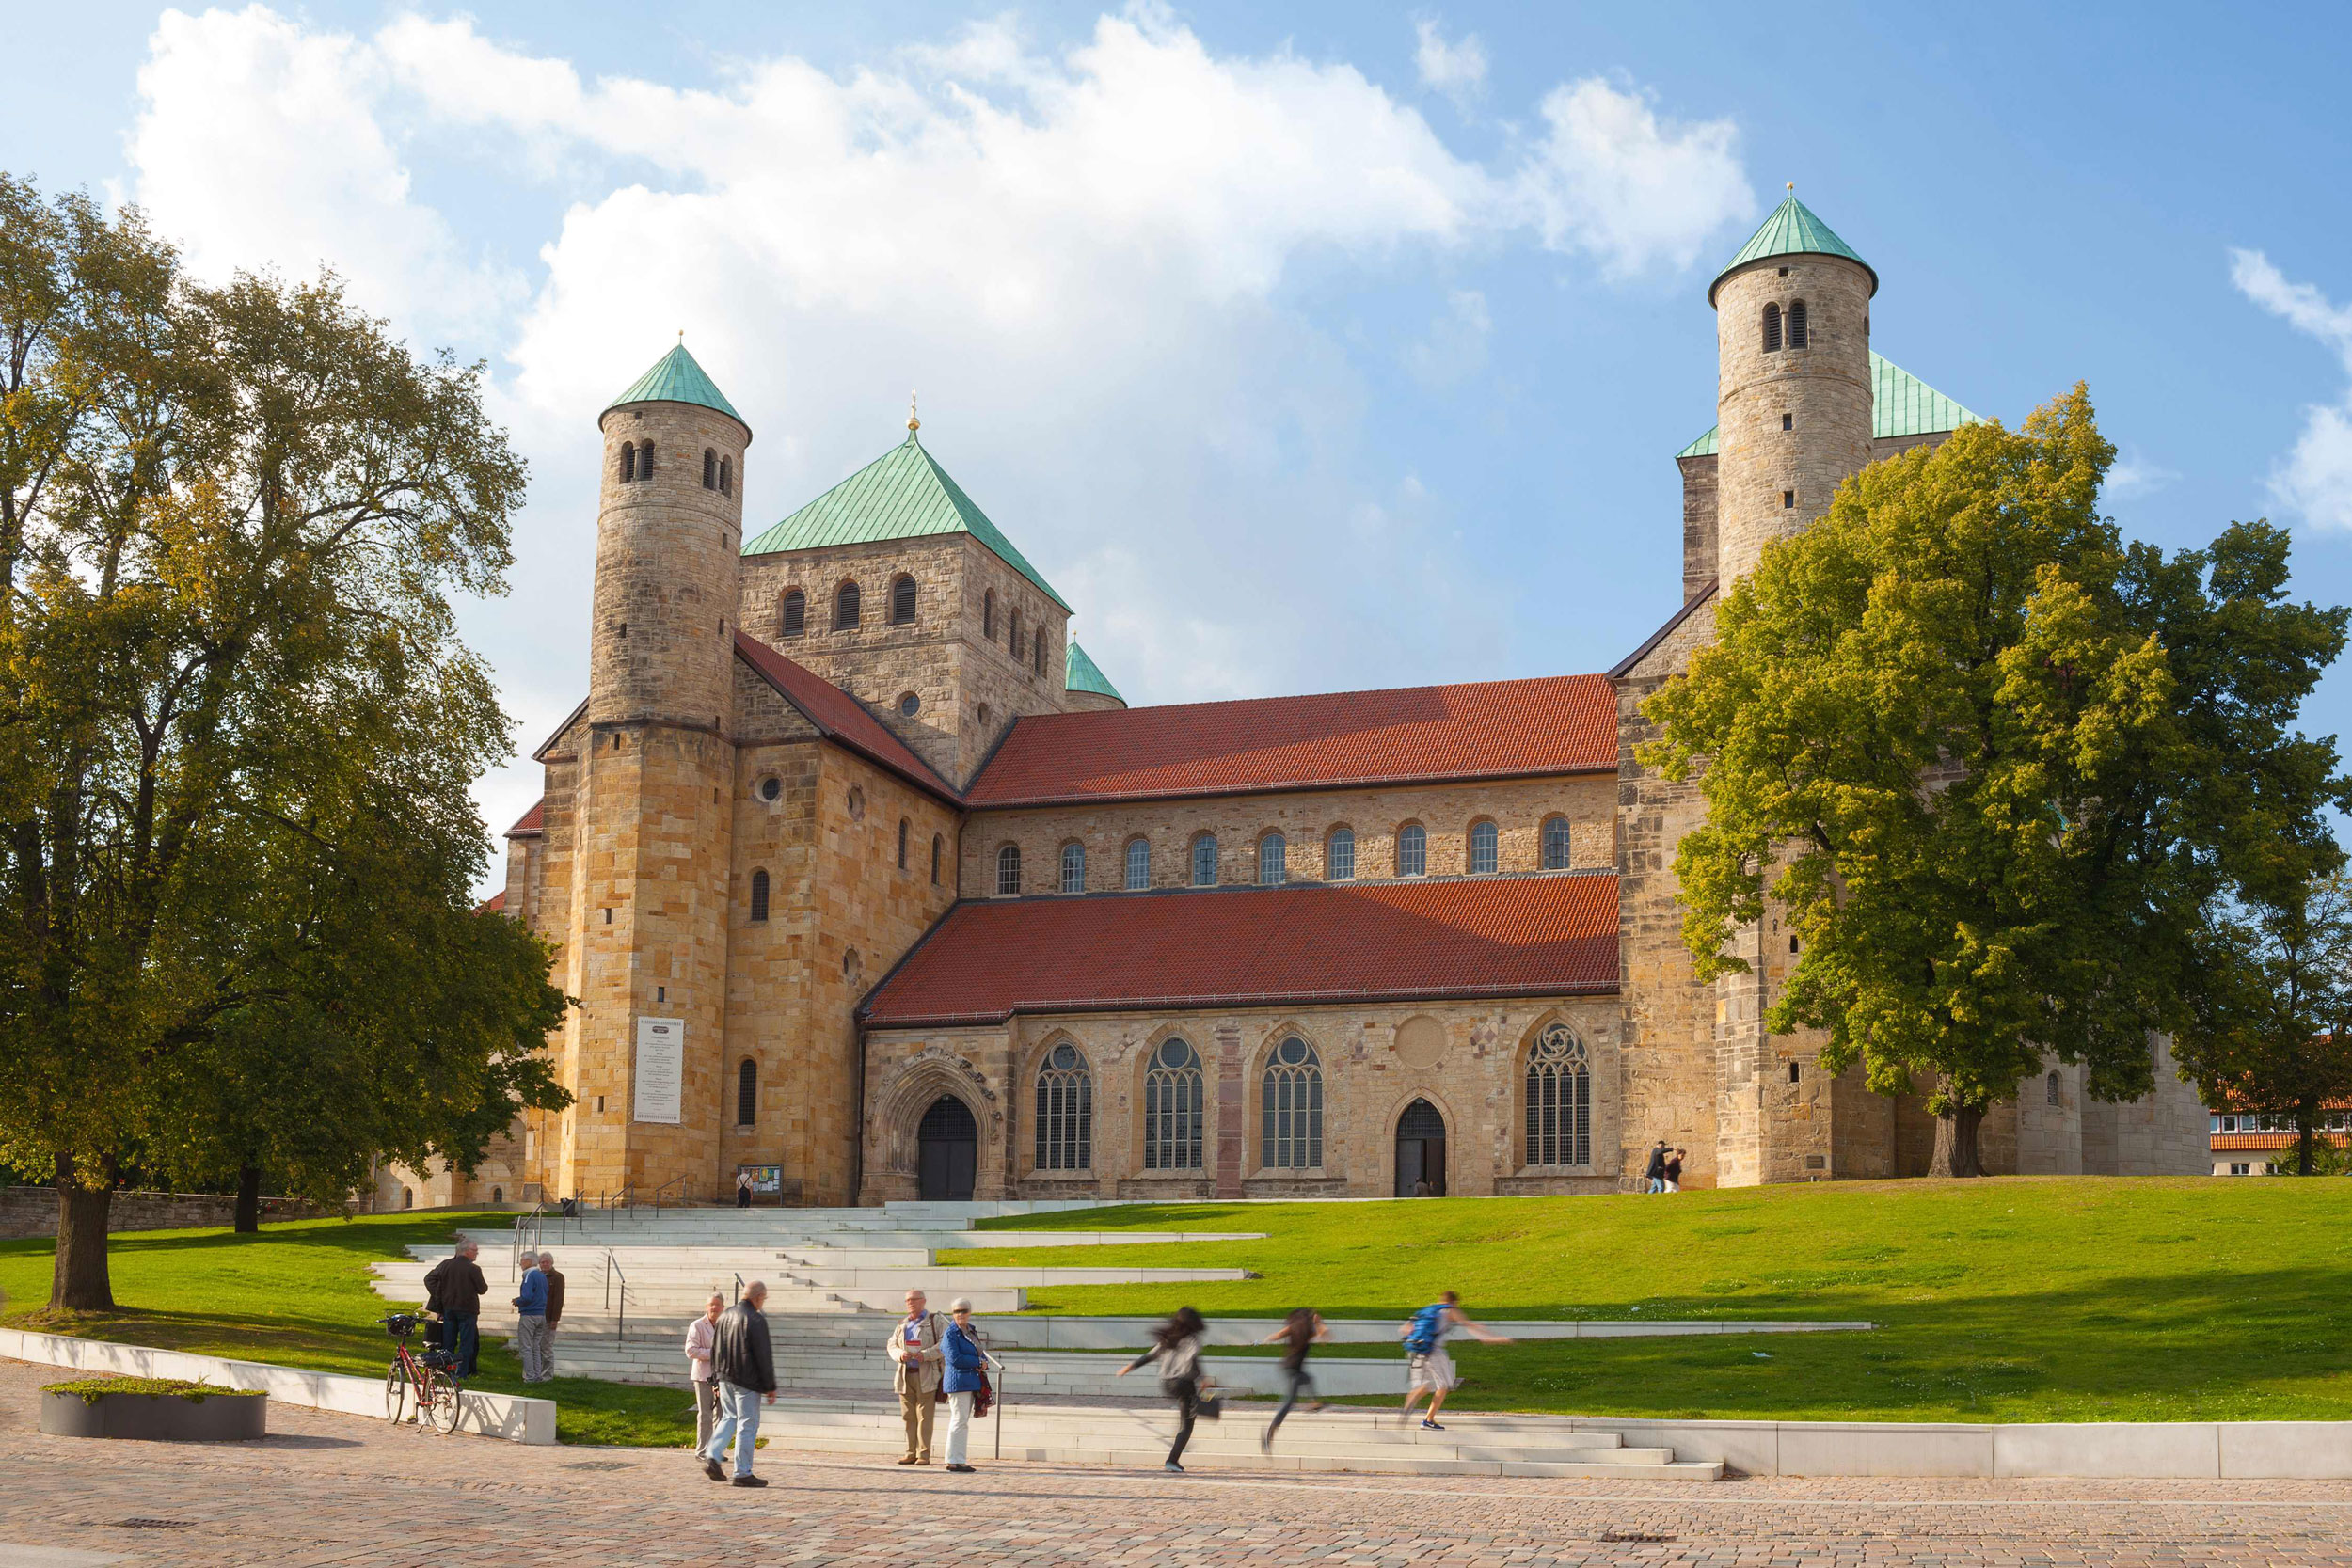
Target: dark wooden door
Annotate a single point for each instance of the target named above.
(948, 1141)
(1421, 1151)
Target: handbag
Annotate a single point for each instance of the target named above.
(983, 1397)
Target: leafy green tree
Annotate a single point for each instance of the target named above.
(230, 520)
(2271, 1026)
(1996, 764)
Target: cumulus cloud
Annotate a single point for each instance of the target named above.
(1457, 70)
(2134, 474)
(2314, 479)
(1614, 179)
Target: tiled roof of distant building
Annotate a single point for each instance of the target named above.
(1553, 934)
(1407, 734)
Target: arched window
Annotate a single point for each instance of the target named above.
(1204, 861)
(845, 607)
(408, 1199)
(747, 1093)
(1772, 329)
(902, 843)
(1171, 1108)
(987, 615)
(1012, 633)
(936, 846)
(759, 896)
(628, 461)
(795, 612)
(498, 1195)
(1273, 852)
(902, 601)
(1559, 1100)
(1796, 324)
(1037, 650)
(1073, 868)
(1558, 849)
(1412, 851)
(1484, 846)
(726, 476)
(1291, 1098)
(1009, 869)
(1139, 865)
(1065, 1111)
(1339, 855)
(644, 460)
(2056, 1099)
(710, 470)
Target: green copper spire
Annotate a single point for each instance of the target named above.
(676, 378)
(1792, 230)
(1086, 676)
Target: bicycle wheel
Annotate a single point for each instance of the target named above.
(448, 1403)
(396, 1393)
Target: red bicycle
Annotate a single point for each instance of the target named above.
(429, 1379)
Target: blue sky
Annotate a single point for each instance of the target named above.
(1304, 347)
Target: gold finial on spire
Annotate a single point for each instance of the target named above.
(913, 424)
(681, 337)
(1792, 188)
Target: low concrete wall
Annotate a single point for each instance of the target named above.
(508, 1415)
(27, 1212)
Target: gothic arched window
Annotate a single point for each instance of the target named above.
(1009, 869)
(1558, 848)
(1796, 324)
(1171, 1108)
(795, 618)
(845, 607)
(746, 1093)
(759, 896)
(1484, 846)
(1065, 1111)
(1073, 868)
(1204, 861)
(902, 601)
(1559, 1092)
(1772, 329)
(1291, 1101)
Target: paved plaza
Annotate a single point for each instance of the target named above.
(359, 1493)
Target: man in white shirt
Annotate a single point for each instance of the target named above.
(917, 1360)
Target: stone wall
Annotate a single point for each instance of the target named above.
(28, 1211)
(1698, 524)
(1465, 1059)
(1517, 807)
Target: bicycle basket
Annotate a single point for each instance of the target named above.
(399, 1326)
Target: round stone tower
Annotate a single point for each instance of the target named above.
(1793, 334)
(653, 797)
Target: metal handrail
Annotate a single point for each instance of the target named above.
(678, 1181)
(738, 1289)
(612, 1271)
(527, 1224)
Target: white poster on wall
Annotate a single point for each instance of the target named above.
(660, 1090)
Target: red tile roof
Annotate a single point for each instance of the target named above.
(1407, 734)
(532, 822)
(841, 717)
(2235, 1142)
(1548, 935)
(492, 905)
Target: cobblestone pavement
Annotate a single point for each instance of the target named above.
(358, 1494)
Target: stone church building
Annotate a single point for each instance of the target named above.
(867, 881)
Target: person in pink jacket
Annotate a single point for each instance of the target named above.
(700, 1335)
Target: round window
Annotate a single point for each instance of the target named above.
(771, 788)
(910, 705)
(1292, 1051)
(1064, 1056)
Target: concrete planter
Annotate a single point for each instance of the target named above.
(217, 1417)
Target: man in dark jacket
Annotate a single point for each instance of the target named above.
(454, 1288)
(745, 1371)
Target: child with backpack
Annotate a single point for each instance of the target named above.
(1428, 1370)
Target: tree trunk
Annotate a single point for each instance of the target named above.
(79, 1281)
(247, 1221)
(1956, 1142)
(2303, 1119)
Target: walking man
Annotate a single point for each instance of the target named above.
(454, 1288)
(917, 1362)
(1428, 1369)
(1656, 1172)
(530, 1325)
(745, 1369)
(555, 1305)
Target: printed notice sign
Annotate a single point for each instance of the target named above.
(660, 1090)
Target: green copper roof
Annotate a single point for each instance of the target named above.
(1900, 404)
(1085, 675)
(676, 378)
(902, 494)
(1792, 230)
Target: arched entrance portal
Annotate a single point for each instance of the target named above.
(950, 1142)
(1421, 1151)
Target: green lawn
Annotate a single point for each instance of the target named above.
(2015, 1299)
(299, 1294)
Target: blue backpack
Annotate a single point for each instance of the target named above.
(1422, 1337)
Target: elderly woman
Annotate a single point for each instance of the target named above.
(700, 1336)
(965, 1376)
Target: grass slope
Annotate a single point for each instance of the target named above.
(299, 1294)
(2040, 1299)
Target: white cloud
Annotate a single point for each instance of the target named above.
(2316, 479)
(1456, 69)
(1615, 181)
(2134, 474)
(258, 145)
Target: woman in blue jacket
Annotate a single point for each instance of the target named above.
(965, 1376)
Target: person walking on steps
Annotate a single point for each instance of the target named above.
(745, 1369)
(454, 1288)
(917, 1363)
(965, 1376)
(1300, 1332)
(1176, 1346)
(699, 1336)
(1655, 1173)
(1428, 1370)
